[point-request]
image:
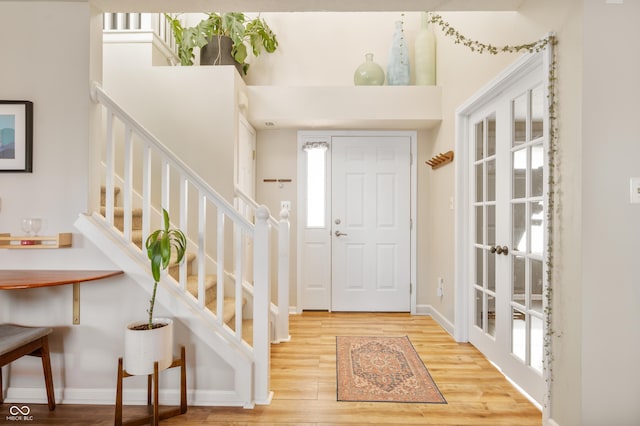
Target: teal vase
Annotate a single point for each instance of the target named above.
(398, 67)
(369, 73)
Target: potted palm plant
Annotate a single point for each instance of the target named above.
(223, 39)
(152, 340)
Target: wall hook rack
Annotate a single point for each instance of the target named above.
(440, 160)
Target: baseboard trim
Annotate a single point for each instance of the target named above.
(208, 398)
(550, 422)
(437, 316)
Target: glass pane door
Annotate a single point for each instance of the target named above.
(527, 227)
(485, 224)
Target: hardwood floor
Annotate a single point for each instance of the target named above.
(303, 378)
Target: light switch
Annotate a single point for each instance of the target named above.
(285, 205)
(634, 190)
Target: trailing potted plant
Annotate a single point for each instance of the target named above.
(152, 340)
(233, 29)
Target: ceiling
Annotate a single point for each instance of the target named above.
(304, 5)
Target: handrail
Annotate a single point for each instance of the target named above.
(242, 228)
(254, 205)
(100, 96)
(282, 230)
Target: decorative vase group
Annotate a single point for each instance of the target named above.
(369, 73)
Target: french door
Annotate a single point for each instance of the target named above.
(507, 142)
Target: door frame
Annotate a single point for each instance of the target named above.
(511, 75)
(413, 172)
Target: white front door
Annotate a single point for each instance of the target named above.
(507, 142)
(370, 224)
(356, 244)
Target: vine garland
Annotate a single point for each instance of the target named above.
(534, 47)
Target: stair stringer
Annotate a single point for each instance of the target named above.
(200, 321)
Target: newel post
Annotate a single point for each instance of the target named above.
(261, 305)
(284, 254)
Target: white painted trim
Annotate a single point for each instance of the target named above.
(140, 36)
(413, 137)
(550, 422)
(429, 310)
(133, 396)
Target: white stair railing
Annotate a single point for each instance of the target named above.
(280, 230)
(154, 22)
(205, 216)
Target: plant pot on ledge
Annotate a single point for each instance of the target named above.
(143, 347)
(218, 52)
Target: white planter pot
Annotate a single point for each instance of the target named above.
(143, 347)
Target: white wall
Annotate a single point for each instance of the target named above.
(610, 225)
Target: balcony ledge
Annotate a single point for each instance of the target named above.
(348, 107)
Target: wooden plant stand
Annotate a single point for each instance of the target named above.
(154, 414)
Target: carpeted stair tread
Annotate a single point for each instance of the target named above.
(174, 268)
(210, 285)
(118, 217)
(103, 194)
(229, 307)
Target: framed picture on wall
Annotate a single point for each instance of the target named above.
(16, 136)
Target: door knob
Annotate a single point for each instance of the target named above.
(340, 234)
(493, 249)
(501, 250)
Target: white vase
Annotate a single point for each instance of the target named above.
(143, 347)
(425, 54)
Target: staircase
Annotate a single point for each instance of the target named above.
(210, 280)
(222, 293)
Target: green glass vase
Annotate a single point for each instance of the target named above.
(369, 73)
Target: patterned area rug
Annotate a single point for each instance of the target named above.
(383, 369)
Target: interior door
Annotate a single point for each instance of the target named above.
(370, 223)
(508, 143)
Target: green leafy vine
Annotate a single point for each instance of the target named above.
(476, 46)
(534, 47)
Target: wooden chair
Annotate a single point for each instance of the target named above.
(17, 341)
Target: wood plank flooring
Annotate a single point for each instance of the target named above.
(303, 378)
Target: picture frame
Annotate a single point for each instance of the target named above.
(16, 136)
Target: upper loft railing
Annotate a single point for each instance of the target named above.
(151, 177)
(137, 22)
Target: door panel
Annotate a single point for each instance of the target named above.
(371, 224)
(507, 175)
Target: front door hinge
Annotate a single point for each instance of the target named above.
(410, 223)
(410, 289)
